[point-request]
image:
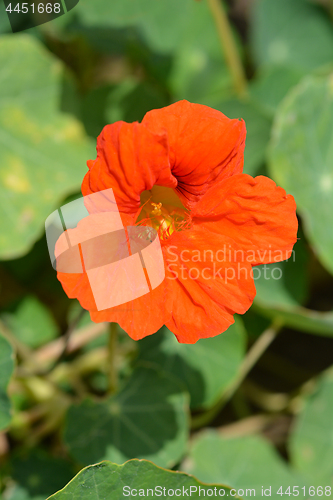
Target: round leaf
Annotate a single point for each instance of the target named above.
(258, 128)
(37, 476)
(311, 442)
(147, 419)
(199, 69)
(301, 159)
(291, 32)
(272, 85)
(283, 284)
(42, 151)
(32, 323)
(153, 19)
(206, 368)
(247, 462)
(108, 480)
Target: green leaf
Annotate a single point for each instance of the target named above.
(295, 33)
(160, 23)
(301, 318)
(108, 480)
(101, 340)
(247, 462)
(4, 21)
(131, 100)
(199, 69)
(206, 368)
(147, 419)
(37, 476)
(128, 101)
(74, 311)
(15, 492)
(283, 284)
(6, 371)
(255, 324)
(311, 441)
(258, 127)
(32, 323)
(43, 151)
(301, 159)
(271, 86)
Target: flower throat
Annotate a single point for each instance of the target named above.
(166, 216)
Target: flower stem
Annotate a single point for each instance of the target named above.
(229, 47)
(258, 348)
(111, 368)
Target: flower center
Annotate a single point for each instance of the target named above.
(162, 209)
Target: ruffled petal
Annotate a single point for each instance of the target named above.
(139, 318)
(185, 146)
(259, 216)
(205, 285)
(130, 159)
(204, 146)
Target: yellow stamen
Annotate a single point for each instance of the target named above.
(157, 209)
(164, 218)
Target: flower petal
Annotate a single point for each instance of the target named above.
(205, 285)
(139, 318)
(130, 159)
(204, 146)
(259, 216)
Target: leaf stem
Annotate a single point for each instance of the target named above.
(111, 367)
(228, 45)
(49, 352)
(66, 339)
(256, 351)
(21, 349)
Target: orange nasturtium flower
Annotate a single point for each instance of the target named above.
(180, 171)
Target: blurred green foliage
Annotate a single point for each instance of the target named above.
(268, 407)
